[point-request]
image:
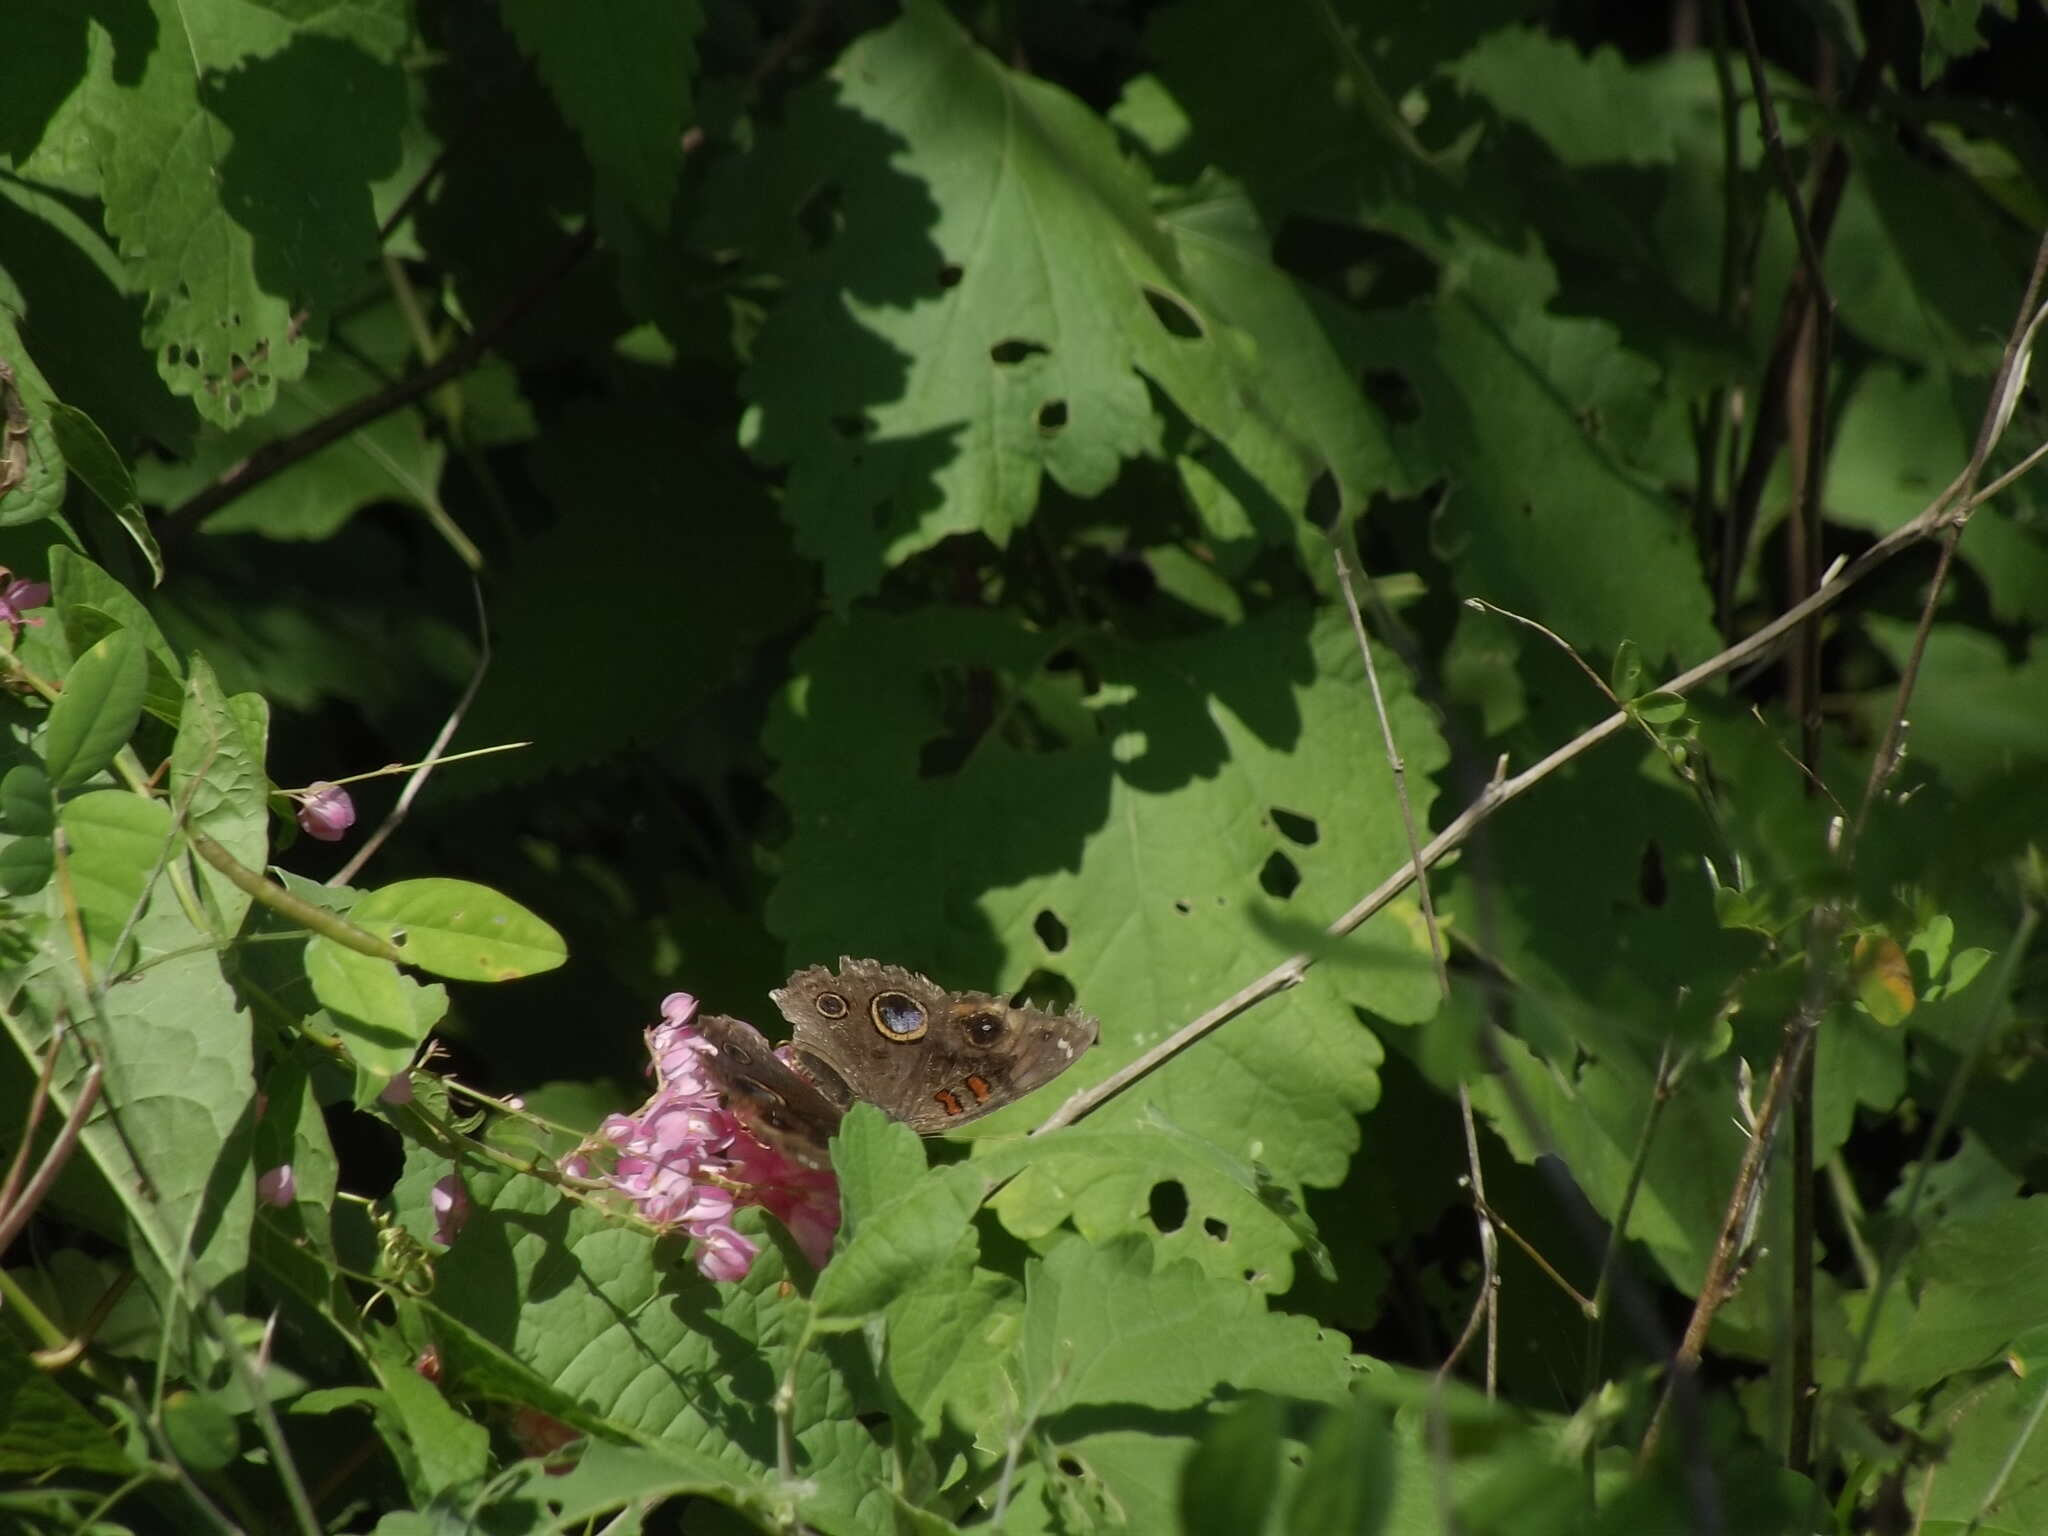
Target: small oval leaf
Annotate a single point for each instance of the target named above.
(461, 930)
(96, 714)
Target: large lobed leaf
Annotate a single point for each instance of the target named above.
(990, 306)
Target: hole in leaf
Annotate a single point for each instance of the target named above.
(820, 216)
(1047, 990)
(1167, 1205)
(1279, 877)
(1052, 416)
(171, 356)
(1015, 350)
(1220, 1230)
(1174, 315)
(191, 357)
(950, 275)
(1182, 907)
(1389, 389)
(1650, 883)
(1071, 1467)
(1052, 933)
(235, 403)
(1296, 829)
(1325, 502)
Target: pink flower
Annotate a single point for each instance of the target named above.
(450, 1203)
(685, 1160)
(17, 597)
(325, 811)
(397, 1091)
(278, 1187)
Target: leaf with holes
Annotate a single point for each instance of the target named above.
(991, 302)
(1199, 815)
(209, 158)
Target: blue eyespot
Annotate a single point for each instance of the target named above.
(898, 1014)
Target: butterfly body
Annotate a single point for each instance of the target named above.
(929, 1057)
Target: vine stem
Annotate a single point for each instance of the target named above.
(1504, 789)
(275, 457)
(1947, 513)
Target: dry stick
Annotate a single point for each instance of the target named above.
(2005, 387)
(1288, 973)
(1489, 1244)
(15, 1216)
(1804, 691)
(1768, 436)
(273, 458)
(1487, 1304)
(1946, 511)
(418, 779)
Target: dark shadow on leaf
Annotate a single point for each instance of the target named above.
(314, 124)
(45, 49)
(72, 310)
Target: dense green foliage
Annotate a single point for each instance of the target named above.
(896, 472)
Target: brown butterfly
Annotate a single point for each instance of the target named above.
(931, 1058)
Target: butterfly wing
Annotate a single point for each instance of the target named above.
(779, 1107)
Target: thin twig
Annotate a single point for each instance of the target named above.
(1288, 973)
(1617, 1232)
(1489, 1242)
(2004, 385)
(280, 454)
(1768, 435)
(15, 1216)
(1812, 361)
(1826, 924)
(418, 781)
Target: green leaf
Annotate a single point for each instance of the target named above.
(1212, 769)
(31, 468)
(622, 75)
(461, 930)
(1658, 708)
(395, 457)
(1011, 299)
(90, 457)
(1980, 1280)
(93, 605)
(1348, 1482)
(26, 864)
(1103, 1325)
(1106, 1180)
(368, 990)
(438, 1447)
(219, 784)
(1625, 677)
(1992, 1477)
(96, 713)
(116, 843)
(1227, 1486)
(205, 158)
(25, 806)
(901, 1220)
(202, 1433)
(528, 1308)
(42, 1426)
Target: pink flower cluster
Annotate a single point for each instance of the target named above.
(684, 1159)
